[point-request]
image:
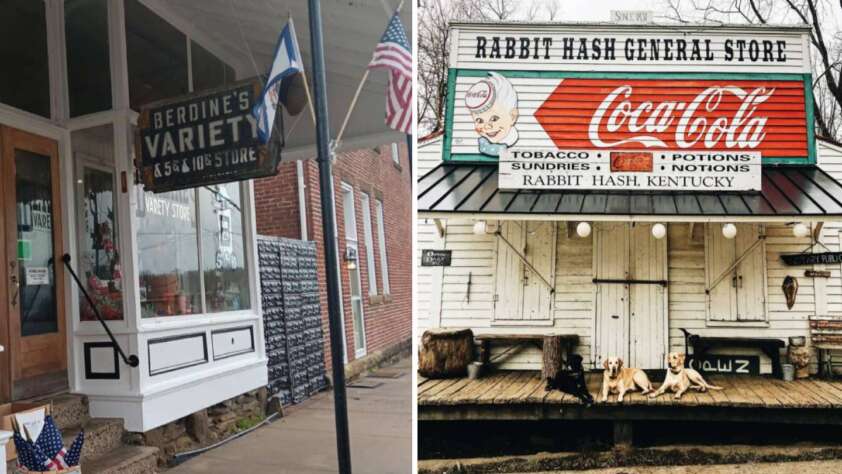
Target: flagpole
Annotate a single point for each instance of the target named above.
(351, 108)
(331, 250)
(304, 77)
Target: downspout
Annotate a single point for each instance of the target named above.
(302, 201)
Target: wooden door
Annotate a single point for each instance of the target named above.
(611, 325)
(540, 238)
(508, 283)
(647, 301)
(720, 255)
(33, 326)
(525, 272)
(751, 274)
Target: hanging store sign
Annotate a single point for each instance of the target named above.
(201, 139)
(812, 258)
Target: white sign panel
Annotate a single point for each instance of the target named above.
(637, 48)
(673, 170)
(37, 276)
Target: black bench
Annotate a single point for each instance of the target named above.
(702, 344)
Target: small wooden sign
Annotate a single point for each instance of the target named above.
(817, 273)
(727, 364)
(812, 258)
(435, 258)
(203, 138)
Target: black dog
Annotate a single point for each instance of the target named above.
(572, 381)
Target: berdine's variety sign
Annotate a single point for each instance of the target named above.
(200, 139)
(607, 126)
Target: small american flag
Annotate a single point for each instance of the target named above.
(393, 53)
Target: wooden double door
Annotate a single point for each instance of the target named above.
(32, 293)
(630, 268)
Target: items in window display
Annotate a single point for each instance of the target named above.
(99, 253)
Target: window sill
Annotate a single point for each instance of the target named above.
(375, 299)
(397, 166)
(178, 322)
(737, 324)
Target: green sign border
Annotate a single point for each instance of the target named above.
(454, 73)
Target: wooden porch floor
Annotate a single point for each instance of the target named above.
(526, 388)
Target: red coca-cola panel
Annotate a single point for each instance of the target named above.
(750, 115)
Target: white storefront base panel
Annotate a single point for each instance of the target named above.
(155, 408)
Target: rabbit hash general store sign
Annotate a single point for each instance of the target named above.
(201, 139)
(585, 107)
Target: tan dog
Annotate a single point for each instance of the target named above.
(679, 379)
(618, 379)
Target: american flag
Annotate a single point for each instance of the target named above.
(393, 53)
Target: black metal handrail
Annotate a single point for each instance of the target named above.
(131, 360)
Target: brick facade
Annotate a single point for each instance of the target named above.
(388, 318)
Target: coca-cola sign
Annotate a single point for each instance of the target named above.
(659, 114)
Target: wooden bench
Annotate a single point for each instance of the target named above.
(702, 344)
(826, 336)
(569, 341)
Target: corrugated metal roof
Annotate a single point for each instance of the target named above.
(795, 191)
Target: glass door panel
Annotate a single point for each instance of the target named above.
(35, 291)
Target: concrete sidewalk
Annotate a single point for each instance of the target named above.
(304, 441)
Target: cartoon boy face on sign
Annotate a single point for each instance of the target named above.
(492, 102)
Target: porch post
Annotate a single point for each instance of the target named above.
(343, 448)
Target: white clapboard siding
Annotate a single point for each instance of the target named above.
(428, 281)
(442, 292)
(829, 290)
(465, 37)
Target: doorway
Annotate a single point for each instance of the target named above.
(32, 324)
(630, 273)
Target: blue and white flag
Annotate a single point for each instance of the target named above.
(286, 63)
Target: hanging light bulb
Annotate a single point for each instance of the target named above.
(583, 229)
(659, 231)
(729, 231)
(479, 228)
(800, 230)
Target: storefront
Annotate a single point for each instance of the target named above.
(174, 273)
(621, 184)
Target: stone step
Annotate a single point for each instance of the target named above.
(70, 410)
(124, 460)
(101, 436)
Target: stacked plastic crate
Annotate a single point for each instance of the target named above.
(292, 318)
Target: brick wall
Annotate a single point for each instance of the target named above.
(388, 319)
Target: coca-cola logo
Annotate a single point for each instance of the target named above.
(645, 121)
(765, 116)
